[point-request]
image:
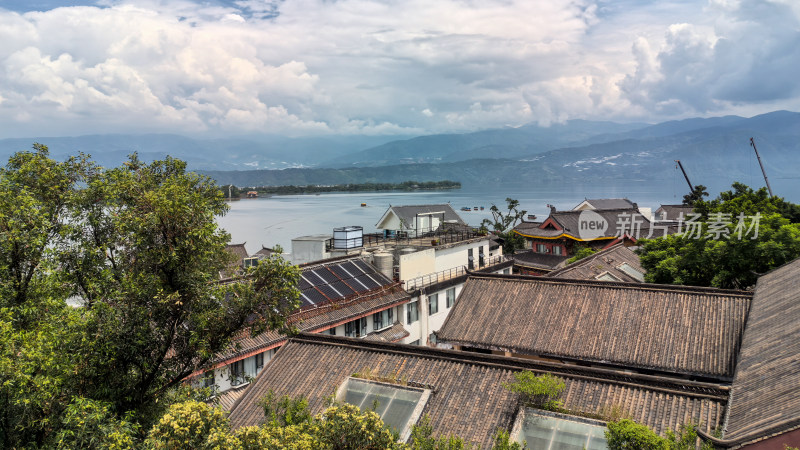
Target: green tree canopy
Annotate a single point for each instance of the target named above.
(138, 250)
(503, 223)
(738, 236)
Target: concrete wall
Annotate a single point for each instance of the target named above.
(448, 258)
(413, 265)
(308, 249)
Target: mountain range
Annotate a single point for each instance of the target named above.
(715, 152)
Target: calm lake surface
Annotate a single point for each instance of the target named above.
(277, 220)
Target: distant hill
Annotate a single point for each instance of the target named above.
(715, 152)
(495, 143)
(262, 152)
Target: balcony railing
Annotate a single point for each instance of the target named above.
(427, 280)
(426, 238)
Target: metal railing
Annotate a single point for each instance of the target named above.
(427, 280)
(416, 237)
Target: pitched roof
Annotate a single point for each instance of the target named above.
(264, 252)
(227, 399)
(467, 398)
(627, 221)
(395, 333)
(608, 203)
(610, 260)
(238, 253)
(673, 211)
(544, 261)
(765, 396)
(408, 213)
(662, 328)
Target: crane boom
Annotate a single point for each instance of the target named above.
(691, 188)
(764, 172)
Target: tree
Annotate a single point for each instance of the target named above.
(697, 194)
(138, 248)
(503, 223)
(626, 434)
(739, 235)
(538, 391)
(584, 252)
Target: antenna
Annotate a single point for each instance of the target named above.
(764, 172)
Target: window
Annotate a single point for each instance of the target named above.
(432, 338)
(396, 405)
(250, 262)
(557, 250)
(412, 312)
(507, 271)
(415, 342)
(451, 296)
(605, 276)
(332, 331)
(259, 361)
(541, 248)
(557, 431)
(470, 260)
(208, 379)
(356, 328)
(237, 372)
(632, 271)
(481, 261)
(382, 319)
(433, 304)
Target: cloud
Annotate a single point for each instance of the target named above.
(750, 56)
(300, 67)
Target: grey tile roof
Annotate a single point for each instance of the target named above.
(408, 213)
(467, 398)
(765, 396)
(238, 252)
(609, 203)
(617, 220)
(662, 328)
(544, 261)
(673, 211)
(608, 260)
(394, 333)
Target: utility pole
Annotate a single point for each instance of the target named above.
(753, 143)
(691, 188)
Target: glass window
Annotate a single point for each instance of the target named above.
(382, 319)
(432, 338)
(506, 271)
(451, 296)
(412, 312)
(208, 379)
(541, 248)
(394, 404)
(555, 432)
(630, 270)
(557, 250)
(237, 372)
(356, 328)
(259, 361)
(332, 331)
(433, 304)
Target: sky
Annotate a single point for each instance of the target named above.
(395, 67)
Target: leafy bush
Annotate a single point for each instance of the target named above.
(192, 424)
(538, 391)
(582, 253)
(627, 434)
(286, 411)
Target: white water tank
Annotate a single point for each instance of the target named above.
(348, 237)
(384, 262)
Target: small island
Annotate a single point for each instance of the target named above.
(236, 192)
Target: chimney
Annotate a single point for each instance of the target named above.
(552, 208)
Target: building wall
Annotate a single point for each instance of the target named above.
(413, 265)
(779, 442)
(448, 258)
(304, 251)
(222, 377)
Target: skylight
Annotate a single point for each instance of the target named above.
(605, 276)
(547, 431)
(630, 270)
(398, 406)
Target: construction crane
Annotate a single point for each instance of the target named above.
(691, 188)
(753, 143)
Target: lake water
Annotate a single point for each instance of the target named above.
(277, 220)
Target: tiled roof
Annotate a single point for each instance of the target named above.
(545, 261)
(662, 328)
(617, 220)
(265, 252)
(765, 397)
(609, 260)
(238, 253)
(673, 211)
(408, 213)
(609, 203)
(394, 333)
(467, 398)
(228, 398)
(319, 318)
